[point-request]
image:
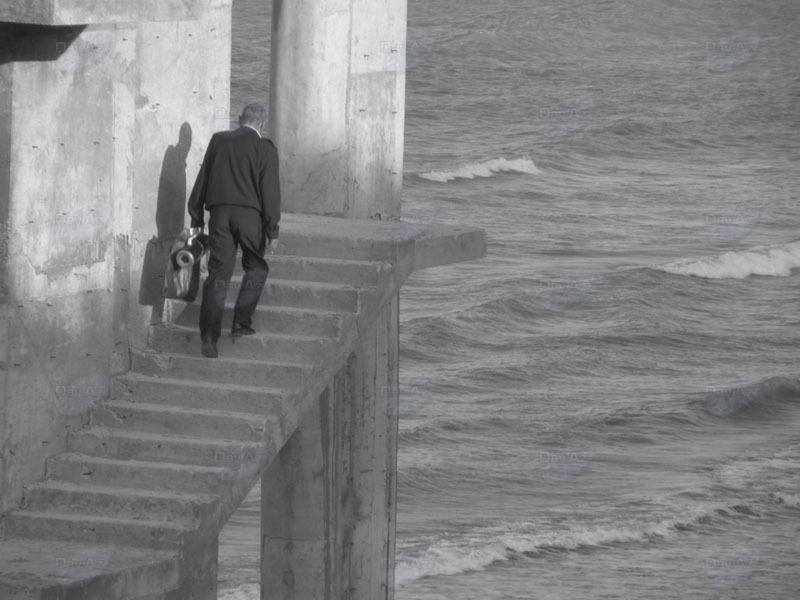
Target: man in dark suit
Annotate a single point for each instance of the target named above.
(238, 184)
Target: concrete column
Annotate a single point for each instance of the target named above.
(328, 512)
(337, 104)
(374, 461)
(198, 568)
(297, 509)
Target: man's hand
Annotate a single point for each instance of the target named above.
(273, 245)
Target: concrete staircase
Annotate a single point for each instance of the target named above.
(182, 439)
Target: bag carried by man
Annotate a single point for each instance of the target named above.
(188, 260)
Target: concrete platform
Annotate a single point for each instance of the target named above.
(412, 244)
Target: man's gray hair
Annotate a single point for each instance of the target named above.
(253, 114)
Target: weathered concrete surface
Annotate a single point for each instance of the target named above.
(185, 81)
(39, 569)
(329, 501)
(77, 12)
(59, 269)
(96, 145)
(5, 176)
(412, 246)
(336, 107)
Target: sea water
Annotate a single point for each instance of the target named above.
(611, 402)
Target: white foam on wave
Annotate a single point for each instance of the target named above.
(483, 169)
(476, 552)
(776, 261)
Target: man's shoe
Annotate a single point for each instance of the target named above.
(239, 330)
(210, 349)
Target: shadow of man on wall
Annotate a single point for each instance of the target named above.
(170, 214)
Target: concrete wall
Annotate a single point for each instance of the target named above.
(71, 12)
(102, 127)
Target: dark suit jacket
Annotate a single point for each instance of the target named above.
(240, 168)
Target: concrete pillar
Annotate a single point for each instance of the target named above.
(328, 512)
(373, 455)
(337, 104)
(297, 496)
(198, 568)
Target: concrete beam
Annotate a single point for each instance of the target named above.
(83, 12)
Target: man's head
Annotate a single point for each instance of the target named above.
(253, 115)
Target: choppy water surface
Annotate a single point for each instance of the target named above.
(607, 405)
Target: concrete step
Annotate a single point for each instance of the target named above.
(264, 346)
(157, 447)
(93, 529)
(185, 421)
(33, 569)
(120, 444)
(296, 294)
(266, 319)
(197, 367)
(357, 273)
(125, 503)
(307, 294)
(135, 387)
(83, 469)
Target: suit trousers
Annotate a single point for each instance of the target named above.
(228, 227)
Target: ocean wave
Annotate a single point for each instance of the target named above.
(678, 421)
(776, 261)
(778, 390)
(751, 396)
(778, 472)
(483, 169)
(747, 397)
(479, 549)
(785, 499)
